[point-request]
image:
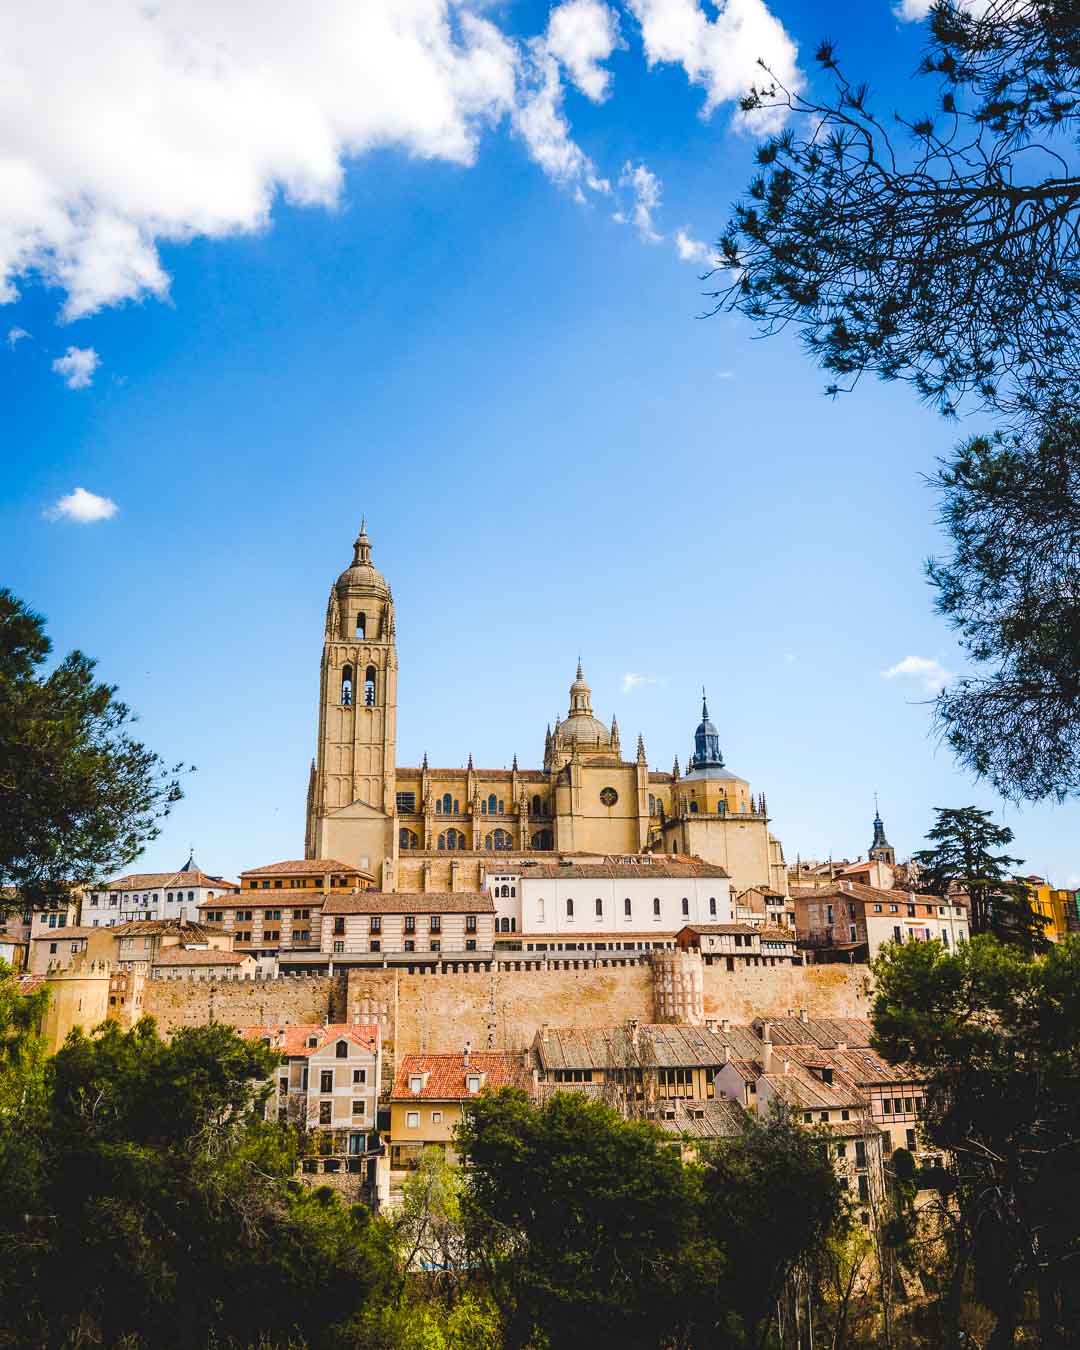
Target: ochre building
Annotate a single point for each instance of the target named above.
(420, 828)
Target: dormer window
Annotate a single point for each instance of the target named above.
(472, 1083)
(416, 1082)
(342, 1050)
(312, 1042)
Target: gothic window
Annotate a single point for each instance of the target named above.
(502, 840)
(361, 624)
(483, 808)
(442, 840)
(455, 839)
(536, 807)
(346, 687)
(543, 839)
(438, 806)
(487, 840)
(447, 804)
(569, 909)
(369, 687)
(457, 808)
(492, 804)
(407, 839)
(500, 808)
(652, 805)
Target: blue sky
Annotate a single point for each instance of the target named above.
(458, 340)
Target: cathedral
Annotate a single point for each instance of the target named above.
(423, 828)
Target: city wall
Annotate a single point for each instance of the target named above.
(243, 1003)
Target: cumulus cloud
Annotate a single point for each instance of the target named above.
(645, 188)
(721, 54)
(539, 120)
(15, 336)
(631, 681)
(77, 366)
(931, 673)
(581, 34)
(82, 507)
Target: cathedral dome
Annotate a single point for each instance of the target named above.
(361, 572)
(581, 727)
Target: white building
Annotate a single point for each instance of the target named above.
(152, 895)
(621, 904)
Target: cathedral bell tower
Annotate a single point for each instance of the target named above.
(351, 794)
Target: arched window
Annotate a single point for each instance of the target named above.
(407, 839)
(438, 806)
(502, 841)
(346, 686)
(626, 906)
(504, 892)
(455, 839)
(513, 925)
(442, 840)
(685, 907)
(569, 909)
(457, 808)
(369, 687)
(656, 905)
(536, 807)
(500, 808)
(513, 892)
(599, 908)
(721, 806)
(652, 805)
(542, 839)
(447, 804)
(487, 840)
(492, 804)
(712, 906)
(693, 808)
(483, 808)
(504, 925)
(361, 624)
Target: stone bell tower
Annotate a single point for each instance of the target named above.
(351, 793)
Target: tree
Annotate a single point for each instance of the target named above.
(995, 1035)
(962, 858)
(948, 259)
(586, 1224)
(1012, 591)
(945, 251)
(79, 798)
(169, 1205)
(771, 1198)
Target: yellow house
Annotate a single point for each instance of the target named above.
(432, 1092)
(1051, 904)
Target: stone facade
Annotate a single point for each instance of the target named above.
(587, 798)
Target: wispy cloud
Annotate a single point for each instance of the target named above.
(646, 189)
(82, 507)
(929, 672)
(632, 681)
(16, 335)
(691, 250)
(77, 366)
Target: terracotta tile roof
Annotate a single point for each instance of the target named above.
(855, 890)
(773, 934)
(151, 881)
(162, 926)
(824, 1032)
(446, 1075)
(303, 867)
(404, 902)
(198, 956)
(62, 934)
(719, 929)
(658, 1045)
(29, 984)
(260, 899)
(799, 1088)
(720, 1118)
(292, 1040)
(859, 1065)
(660, 867)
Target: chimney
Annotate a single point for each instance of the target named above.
(787, 1065)
(183, 918)
(544, 1029)
(726, 1054)
(465, 1057)
(766, 1031)
(841, 1045)
(710, 1024)
(725, 1024)
(766, 1057)
(804, 1016)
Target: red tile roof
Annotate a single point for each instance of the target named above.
(292, 1040)
(149, 881)
(199, 956)
(650, 866)
(446, 1075)
(404, 902)
(304, 867)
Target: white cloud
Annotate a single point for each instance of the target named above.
(725, 374)
(538, 118)
(82, 507)
(692, 250)
(16, 335)
(930, 672)
(914, 11)
(631, 681)
(77, 366)
(646, 188)
(721, 54)
(582, 33)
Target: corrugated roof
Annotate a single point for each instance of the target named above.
(292, 1040)
(405, 902)
(446, 1075)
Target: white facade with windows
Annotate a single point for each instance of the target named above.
(630, 904)
(152, 895)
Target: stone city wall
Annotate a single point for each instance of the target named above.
(245, 1002)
